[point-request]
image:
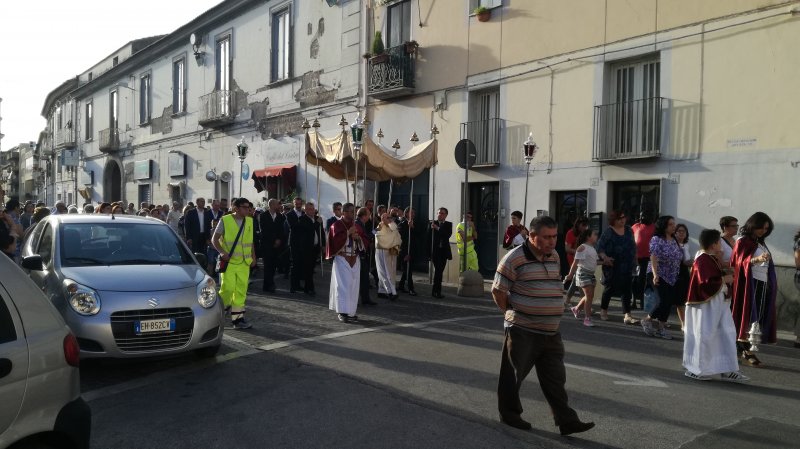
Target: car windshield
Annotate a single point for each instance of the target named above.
(110, 243)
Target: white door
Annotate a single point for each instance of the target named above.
(13, 362)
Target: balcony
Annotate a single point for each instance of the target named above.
(629, 130)
(392, 74)
(485, 134)
(109, 140)
(64, 138)
(217, 109)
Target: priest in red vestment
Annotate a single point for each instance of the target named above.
(345, 242)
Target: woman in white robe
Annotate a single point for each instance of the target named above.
(387, 246)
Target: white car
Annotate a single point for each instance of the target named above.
(40, 398)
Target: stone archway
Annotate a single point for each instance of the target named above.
(112, 182)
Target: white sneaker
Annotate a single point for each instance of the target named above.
(734, 376)
(664, 333)
(694, 376)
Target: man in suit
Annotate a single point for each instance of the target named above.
(197, 226)
(272, 241)
(296, 236)
(312, 239)
(407, 233)
(337, 214)
(438, 242)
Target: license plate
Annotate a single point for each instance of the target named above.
(165, 325)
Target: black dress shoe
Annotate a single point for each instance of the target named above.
(268, 290)
(344, 318)
(393, 298)
(354, 319)
(438, 295)
(383, 295)
(402, 289)
(412, 293)
(575, 427)
(310, 292)
(516, 422)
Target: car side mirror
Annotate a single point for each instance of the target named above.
(32, 263)
(202, 259)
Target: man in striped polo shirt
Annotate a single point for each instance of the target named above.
(527, 288)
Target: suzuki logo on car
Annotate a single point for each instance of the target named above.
(153, 302)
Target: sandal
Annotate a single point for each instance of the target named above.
(750, 359)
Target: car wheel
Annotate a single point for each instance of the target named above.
(207, 353)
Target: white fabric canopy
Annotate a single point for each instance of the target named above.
(335, 156)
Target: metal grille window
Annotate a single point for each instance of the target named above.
(484, 126)
(89, 120)
(223, 81)
(630, 125)
(113, 109)
(179, 86)
(281, 44)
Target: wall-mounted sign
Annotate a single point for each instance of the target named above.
(177, 164)
(69, 157)
(87, 177)
(143, 169)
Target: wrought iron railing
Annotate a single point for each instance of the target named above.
(392, 73)
(629, 130)
(217, 107)
(64, 138)
(485, 134)
(109, 139)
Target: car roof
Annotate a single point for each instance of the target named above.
(103, 218)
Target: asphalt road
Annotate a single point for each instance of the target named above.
(422, 373)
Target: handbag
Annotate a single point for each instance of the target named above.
(222, 265)
(651, 299)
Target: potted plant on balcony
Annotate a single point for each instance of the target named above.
(483, 13)
(378, 50)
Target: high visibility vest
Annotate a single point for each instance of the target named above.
(243, 252)
(460, 241)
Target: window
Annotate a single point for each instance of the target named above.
(398, 24)
(281, 44)
(90, 76)
(113, 109)
(115, 61)
(59, 118)
(223, 80)
(144, 99)
(179, 86)
(7, 331)
(485, 3)
(484, 126)
(45, 247)
(89, 120)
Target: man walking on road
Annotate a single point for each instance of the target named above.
(527, 287)
(233, 238)
(272, 242)
(346, 241)
(438, 240)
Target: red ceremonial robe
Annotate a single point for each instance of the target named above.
(338, 237)
(511, 232)
(706, 279)
(744, 312)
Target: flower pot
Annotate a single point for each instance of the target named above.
(484, 16)
(377, 59)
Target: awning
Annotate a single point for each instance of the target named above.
(335, 156)
(85, 192)
(287, 173)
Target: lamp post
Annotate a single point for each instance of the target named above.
(241, 149)
(357, 133)
(529, 150)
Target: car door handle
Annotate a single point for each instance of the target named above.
(5, 367)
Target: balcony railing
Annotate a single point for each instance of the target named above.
(485, 134)
(217, 108)
(64, 138)
(109, 140)
(392, 74)
(629, 130)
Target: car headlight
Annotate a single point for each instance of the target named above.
(83, 300)
(207, 293)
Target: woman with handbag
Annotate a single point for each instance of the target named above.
(666, 256)
(387, 247)
(617, 250)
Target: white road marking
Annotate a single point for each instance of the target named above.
(626, 379)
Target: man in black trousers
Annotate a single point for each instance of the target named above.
(438, 242)
(297, 235)
(272, 241)
(407, 233)
(364, 222)
(313, 240)
(198, 227)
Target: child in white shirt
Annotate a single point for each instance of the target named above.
(584, 266)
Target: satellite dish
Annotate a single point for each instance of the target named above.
(225, 176)
(211, 176)
(192, 38)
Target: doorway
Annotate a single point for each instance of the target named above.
(635, 197)
(484, 203)
(112, 183)
(569, 205)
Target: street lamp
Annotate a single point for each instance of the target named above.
(529, 150)
(357, 133)
(241, 149)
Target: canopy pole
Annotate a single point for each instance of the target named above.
(305, 188)
(431, 268)
(319, 208)
(410, 224)
(346, 183)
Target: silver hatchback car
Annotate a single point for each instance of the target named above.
(127, 286)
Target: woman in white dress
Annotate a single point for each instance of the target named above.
(387, 246)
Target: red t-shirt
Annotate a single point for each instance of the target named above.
(570, 239)
(642, 234)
